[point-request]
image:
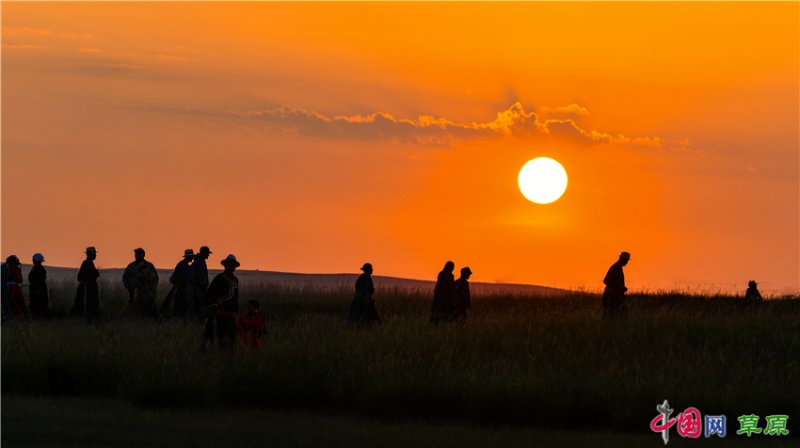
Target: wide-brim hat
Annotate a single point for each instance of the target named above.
(91, 250)
(466, 270)
(188, 253)
(230, 259)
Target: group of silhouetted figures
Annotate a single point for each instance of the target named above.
(451, 298)
(193, 298)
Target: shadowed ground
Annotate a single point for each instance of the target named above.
(87, 423)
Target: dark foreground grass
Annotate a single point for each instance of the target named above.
(519, 361)
(88, 423)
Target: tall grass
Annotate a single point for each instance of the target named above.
(517, 360)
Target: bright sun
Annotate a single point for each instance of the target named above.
(542, 180)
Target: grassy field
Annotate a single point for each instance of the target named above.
(519, 362)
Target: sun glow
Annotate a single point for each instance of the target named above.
(542, 180)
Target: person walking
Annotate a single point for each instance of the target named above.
(362, 309)
(40, 303)
(175, 302)
(462, 300)
(16, 297)
(443, 294)
(614, 293)
(87, 297)
(198, 284)
(223, 304)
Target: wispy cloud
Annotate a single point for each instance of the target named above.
(425, 129)
(572, 109)
(44, 32)
(8, 45)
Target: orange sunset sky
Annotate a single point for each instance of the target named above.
(311, 137)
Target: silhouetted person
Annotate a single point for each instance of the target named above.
(251, 327)
(141, 280)
(362, 310)
(40, 302)
(198, 284)
(6, 308)
(752, 295)
(87, 298)
(614, 294)
(443, 294)
(223, 304)
(462, 301)
(176, 303)
(16, 298)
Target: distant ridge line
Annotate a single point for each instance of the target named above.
(323, 281)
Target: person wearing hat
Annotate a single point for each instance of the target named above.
(223, 304)
(614, 293)
(441, 310)
(40, 307)
(16, 298)
(87, 297)
(752, 295)
(362, 310)
(198, 284)
(462, 302)
(175, 303)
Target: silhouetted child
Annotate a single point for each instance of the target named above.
(461, 295)
(251, 327)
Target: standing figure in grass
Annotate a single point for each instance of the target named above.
(251, 327)
(129, 279)
(87, 297)
(16, 298)
(752, 295)
(198, 285)
(175, 303)
(40, 306)
(462, 300)
(362, 310)
(148, 289)
(442, 308)
(4, 279)
(223, 304)
(614, 294)
(141, 280)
